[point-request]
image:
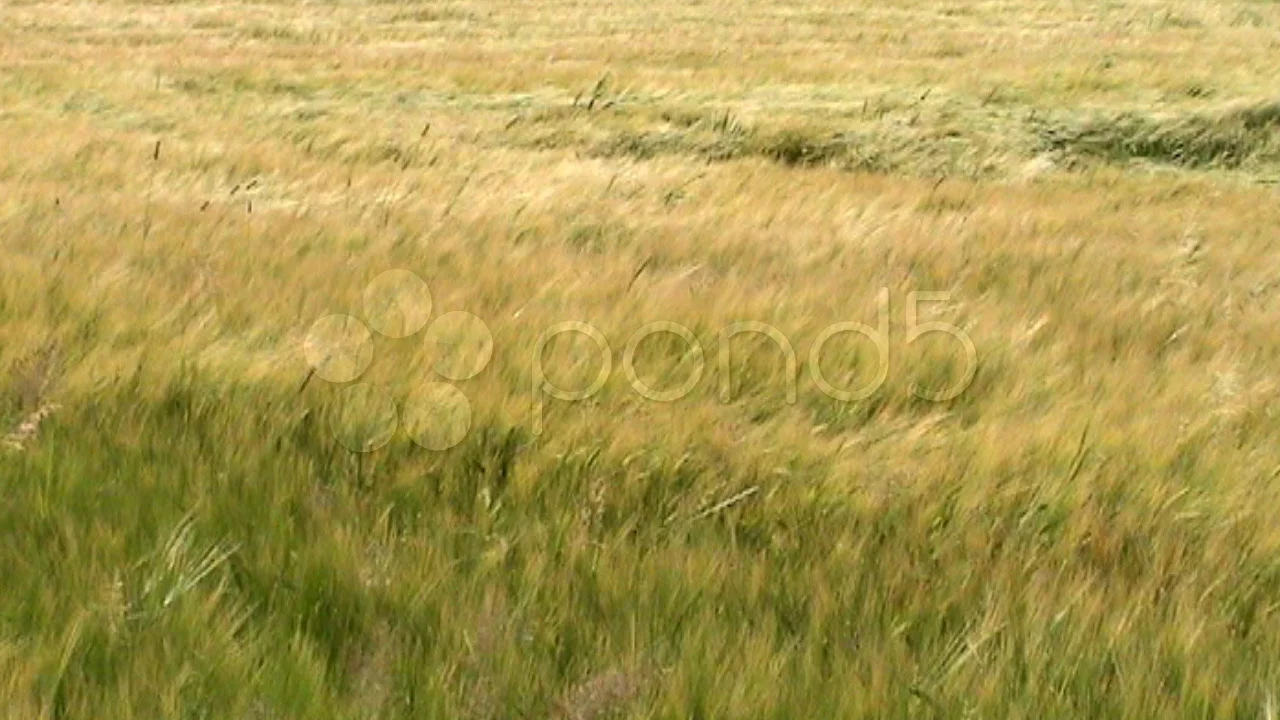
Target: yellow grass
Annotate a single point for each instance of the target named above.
(1087, 530)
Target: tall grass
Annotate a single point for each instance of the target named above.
(1083, 532)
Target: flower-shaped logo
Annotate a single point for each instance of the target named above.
(435, 415)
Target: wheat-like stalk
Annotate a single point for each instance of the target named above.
(599, 695)
(27, 430)
(31, 382)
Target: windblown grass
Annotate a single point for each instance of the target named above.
(1230, 139)
(1085, 531)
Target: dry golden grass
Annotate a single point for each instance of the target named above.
(1087, 530)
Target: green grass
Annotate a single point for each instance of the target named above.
(1085, 531)
(202, 550)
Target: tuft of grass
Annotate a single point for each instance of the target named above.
(1228, 140)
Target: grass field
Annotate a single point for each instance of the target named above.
(1088, 529)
